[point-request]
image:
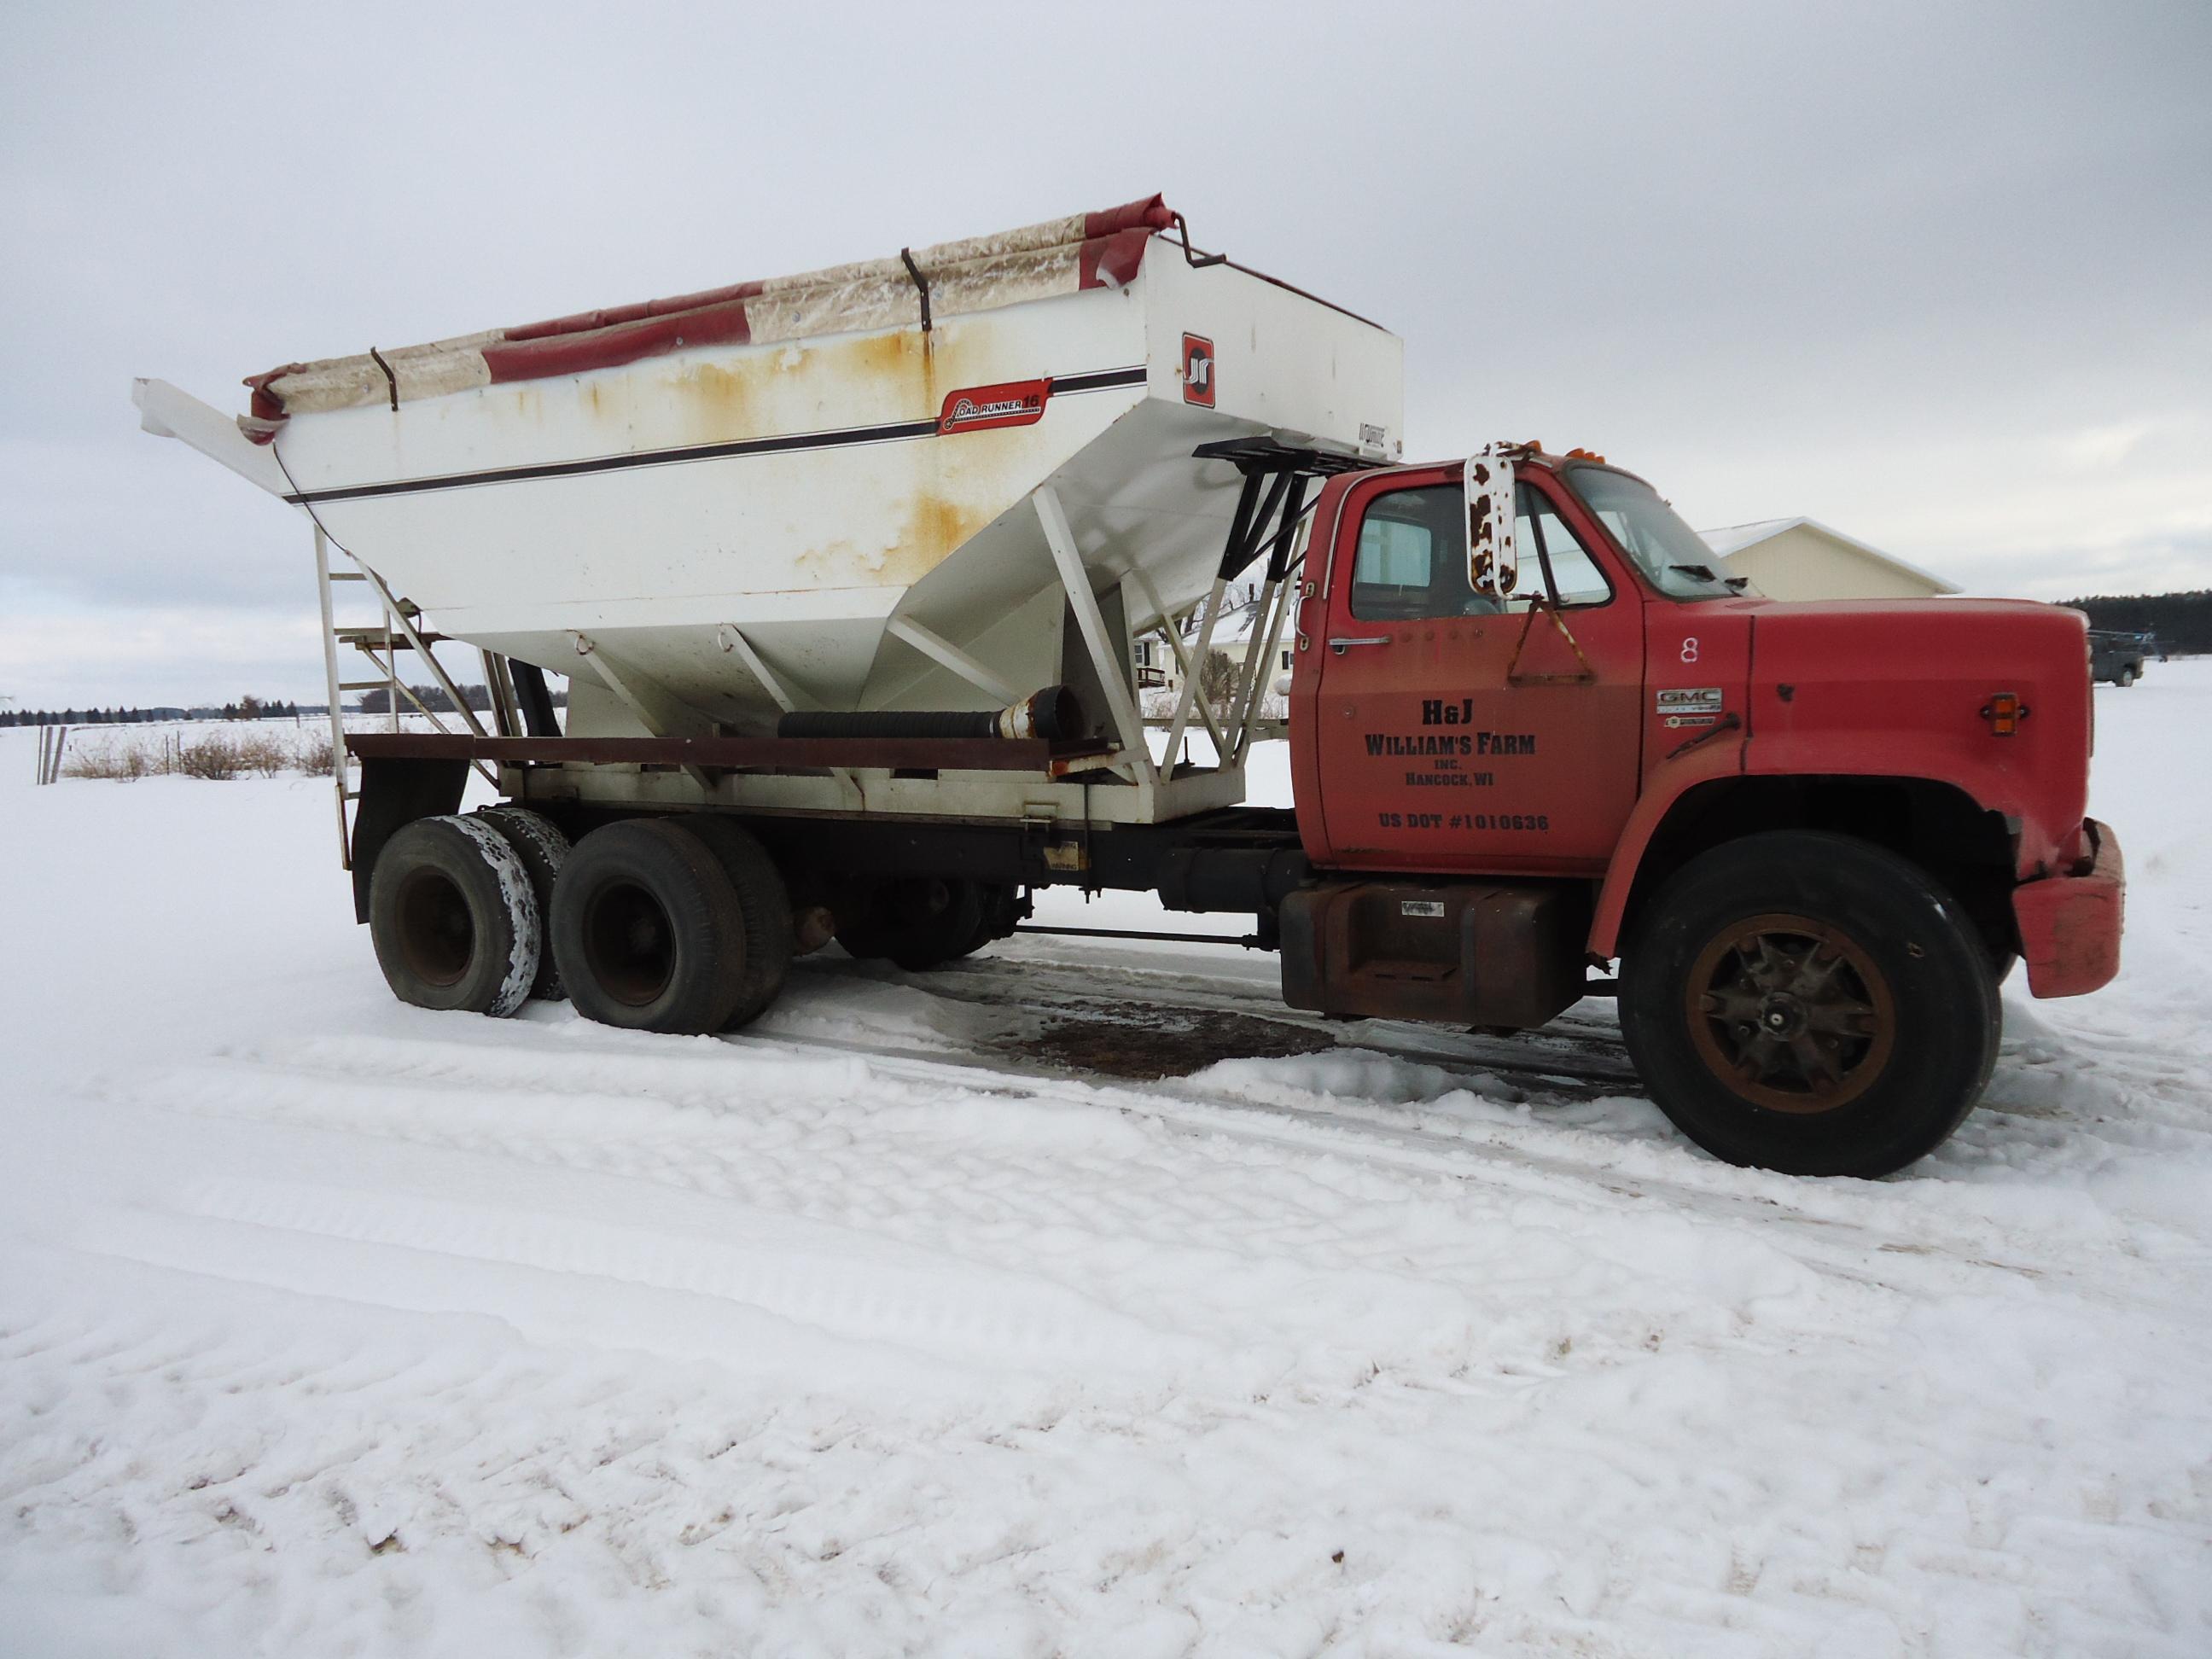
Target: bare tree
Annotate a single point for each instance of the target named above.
(1217, 682)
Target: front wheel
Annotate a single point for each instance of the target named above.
(1808, 1003)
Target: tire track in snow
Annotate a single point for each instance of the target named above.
(564, 1108)
(708, 1281)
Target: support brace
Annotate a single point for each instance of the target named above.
(658, 712)
(731, 637)
(945, 652)
(1106, 656)
(1189, 669)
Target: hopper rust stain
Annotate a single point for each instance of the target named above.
(932, 529)
(754, 392)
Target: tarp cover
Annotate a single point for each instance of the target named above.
(1061, 256)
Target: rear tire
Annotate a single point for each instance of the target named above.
(918, 923)
(453, 918)
(1002, 912)
(647, 930)
(538, 842)
(1808, 1003)
(764, 902)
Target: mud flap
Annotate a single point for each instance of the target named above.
(394, 792)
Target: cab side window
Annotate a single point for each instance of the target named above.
(1412, 560)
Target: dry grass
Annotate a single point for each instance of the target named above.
(264, 752)
(214, 755)
(122, 762)
(214, 758)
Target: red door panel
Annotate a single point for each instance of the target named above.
(1451, 735)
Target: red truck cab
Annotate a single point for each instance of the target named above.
(1526, 674)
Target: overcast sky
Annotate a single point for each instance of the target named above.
(1940, 275)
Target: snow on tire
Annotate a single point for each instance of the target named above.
(453, 917)
(538, 842)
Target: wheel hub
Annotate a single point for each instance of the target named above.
(1782, 1016)
(628, 943)
(436, 936)
(1791, 1013)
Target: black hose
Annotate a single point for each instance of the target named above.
(1053, 713)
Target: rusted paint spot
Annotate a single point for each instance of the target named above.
(719, 398)
(933, 529)
(899, 375)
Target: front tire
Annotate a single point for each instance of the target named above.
(1808, 1003)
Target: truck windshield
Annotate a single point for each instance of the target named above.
(1671, 554)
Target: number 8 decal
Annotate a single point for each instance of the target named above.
(1690, 648)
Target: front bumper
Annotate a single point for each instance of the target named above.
(2070, 925)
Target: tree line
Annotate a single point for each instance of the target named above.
(375, 702)
(2182, 621)
(245, 709)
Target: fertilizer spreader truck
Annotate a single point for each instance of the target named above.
(844, 572)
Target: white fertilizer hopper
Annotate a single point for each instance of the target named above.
(828, 491)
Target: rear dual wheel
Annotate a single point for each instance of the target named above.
(454, 918)
(919, 923)
(1808, 1003)
(671, 925)
(543, 848)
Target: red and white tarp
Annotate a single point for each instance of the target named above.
(981, 273)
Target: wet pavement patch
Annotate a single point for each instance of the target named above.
(1144, 1042)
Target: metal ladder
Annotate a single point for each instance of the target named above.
(381, 642)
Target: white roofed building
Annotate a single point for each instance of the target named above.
(1804, 559)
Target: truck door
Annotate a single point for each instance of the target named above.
(1454, 731)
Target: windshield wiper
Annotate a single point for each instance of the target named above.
(1706, 573)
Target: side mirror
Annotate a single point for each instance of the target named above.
(1493, 565)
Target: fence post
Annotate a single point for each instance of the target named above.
(50, 740)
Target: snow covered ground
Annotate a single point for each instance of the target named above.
(329, 1326)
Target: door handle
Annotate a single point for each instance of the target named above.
(1341, 641)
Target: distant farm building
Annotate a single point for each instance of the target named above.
(1804, 559)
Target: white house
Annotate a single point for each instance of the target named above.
(1804, 559)
(1232, 637)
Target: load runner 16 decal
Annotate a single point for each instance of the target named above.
(980, 408)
